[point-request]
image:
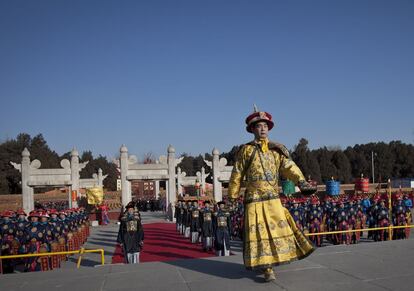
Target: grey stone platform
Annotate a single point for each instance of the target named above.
(368, 266)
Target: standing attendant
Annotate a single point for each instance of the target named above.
(207, 226)
(222, 230)
(131, 234)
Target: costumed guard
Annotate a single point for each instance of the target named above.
(315, 216)
(178, 215)
(131, 234)
(342, 224)
(195, 226)
(187, 220)
(222, 230)
(400, 218)
(7, 236)
(383, 220)
(36, 240)
(207, 227)
(271, 235)
(298, 214)
(182, 216)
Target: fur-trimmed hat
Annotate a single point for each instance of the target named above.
(257, 116)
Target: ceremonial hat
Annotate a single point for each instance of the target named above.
(21, 212)
(44, 214)
(34, 213)
(7, 213)
(53, 211)
(130, 205)
(257, 116)
(294, 200)
(314, 200)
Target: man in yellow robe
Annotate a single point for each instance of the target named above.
(270, 234)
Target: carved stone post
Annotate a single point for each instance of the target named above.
(180, 176)
(27, 192)
(203, 179)
(100, 178)
(126, 195)
(74, 167)
(171, 194)
(157, 189)
(217, 186)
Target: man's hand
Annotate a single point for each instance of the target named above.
(306, 188)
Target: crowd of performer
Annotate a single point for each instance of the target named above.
(314, 215)
(202, 222)
(42, 230)
(152, 205)
(205, 223)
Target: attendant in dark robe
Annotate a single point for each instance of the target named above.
(195, 226)
(222, 230)
(207, 226)
(131, 234)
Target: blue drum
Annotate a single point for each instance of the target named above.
(333, 188)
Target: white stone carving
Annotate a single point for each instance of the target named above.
(35, 164)
(65, 164)
(17, 166)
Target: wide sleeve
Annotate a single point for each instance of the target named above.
(237, 174)
(289, 170)
(120, 238)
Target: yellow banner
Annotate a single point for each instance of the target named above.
(95, 195)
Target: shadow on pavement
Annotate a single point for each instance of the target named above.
(225, 270)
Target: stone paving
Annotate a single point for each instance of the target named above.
(368, 266)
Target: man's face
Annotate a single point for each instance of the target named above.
(131, 210)
(260, 130)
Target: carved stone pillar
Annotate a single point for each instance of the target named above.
(157, 189)
(126, 195)
(27, 192)
(217, 186)
(74, 167)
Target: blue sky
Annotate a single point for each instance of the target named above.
(98, 74)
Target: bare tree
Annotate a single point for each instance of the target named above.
(148, 158)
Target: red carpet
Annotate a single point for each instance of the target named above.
(163, 243)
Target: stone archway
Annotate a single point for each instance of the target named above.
(164, 170)
(33, 176)
(184, 180)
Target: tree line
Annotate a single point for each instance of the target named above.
(391, 160)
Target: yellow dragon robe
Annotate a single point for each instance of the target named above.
(270, 233)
